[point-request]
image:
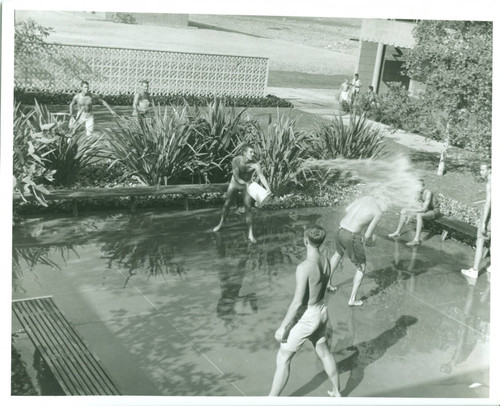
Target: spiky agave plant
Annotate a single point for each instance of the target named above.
(72, 148)
(220, 129)
(156, 150)
(281, 149)
(357, 139)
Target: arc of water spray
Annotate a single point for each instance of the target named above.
(392, 179)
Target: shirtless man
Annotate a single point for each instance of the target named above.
(312, 278)
(484, 229)
(344, 91)
(363, 212)
(355, 86)
(84, 101)
(244, 168)
(429, 210)
(142, 100)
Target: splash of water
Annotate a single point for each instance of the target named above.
(392, 180)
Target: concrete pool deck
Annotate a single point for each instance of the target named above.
(172, 309)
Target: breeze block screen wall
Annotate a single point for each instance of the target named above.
(118, 70)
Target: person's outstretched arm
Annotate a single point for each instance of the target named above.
(371, 228)
(262, 178)
(427, 202)
(135, 103)
(73, 102)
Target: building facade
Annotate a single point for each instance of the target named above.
(383, 47)
(161, 19)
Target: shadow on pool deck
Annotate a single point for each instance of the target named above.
(174, 309)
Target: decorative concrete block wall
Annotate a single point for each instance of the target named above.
(119, 70)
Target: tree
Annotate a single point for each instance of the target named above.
(34, 54)
(454, 59)
(30, 36)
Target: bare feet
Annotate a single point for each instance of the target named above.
(332, 288)
(355, 302)
(218, 228)
(334, 393)
(394, 235)
(413, 243)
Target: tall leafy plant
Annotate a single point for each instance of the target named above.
(281, 148)
(357, 139)
(71, 150)
(30, 151)
(220, 130)
(156, 150)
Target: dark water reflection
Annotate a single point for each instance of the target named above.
(228, 295)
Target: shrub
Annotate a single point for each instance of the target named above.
(27, 96)
(281, 150)
(71, 150)
(124, 18)
(358, 139)
(398, 109)
(157, 150)
(29, 156)
(220, 131)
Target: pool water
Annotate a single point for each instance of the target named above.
(171, 308)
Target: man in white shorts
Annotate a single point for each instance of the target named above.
(484, 229)
(142, 101)
(312, 278)
(85, 101)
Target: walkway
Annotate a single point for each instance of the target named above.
(323, 102)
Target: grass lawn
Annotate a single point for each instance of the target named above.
(303, 80)
(461, 179)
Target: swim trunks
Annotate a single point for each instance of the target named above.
(312, 326)
(88, 119)
(352, 244)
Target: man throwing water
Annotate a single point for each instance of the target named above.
(312, 278)
(244, 169)
(364, 212)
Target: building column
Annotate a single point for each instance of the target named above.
(377, 70)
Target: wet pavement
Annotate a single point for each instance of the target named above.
(171, 308)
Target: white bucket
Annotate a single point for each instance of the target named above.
(258, 193)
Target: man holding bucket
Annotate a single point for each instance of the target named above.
(244, 168)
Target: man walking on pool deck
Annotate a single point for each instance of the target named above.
(484, 229)
(312, 278)
(244, 168)
(363, 212)
(84, 101)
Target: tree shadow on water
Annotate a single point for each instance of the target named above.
(363, 355)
